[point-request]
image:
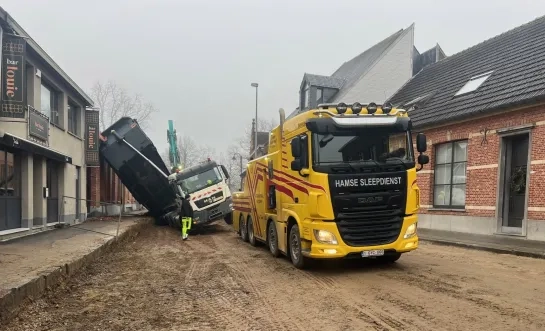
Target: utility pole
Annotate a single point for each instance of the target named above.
(256, 85)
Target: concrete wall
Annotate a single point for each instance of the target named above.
(387, 76)
(484, 167)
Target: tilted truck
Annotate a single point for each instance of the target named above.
(338, 181)
(209, 194)
(135, 160)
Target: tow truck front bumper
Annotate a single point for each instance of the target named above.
(319, 250)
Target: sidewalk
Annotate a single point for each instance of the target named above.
(31, 264)
(495, 243)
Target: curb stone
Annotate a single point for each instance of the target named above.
(35, 288)
(535, 255)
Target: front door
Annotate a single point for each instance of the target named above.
(78, 196)
(52, 182)
(514, 188)
(10, 191)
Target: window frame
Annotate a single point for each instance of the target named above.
(73, 108)
(452, 163)
(319, 100)
(465, 90)
(53, 98)
(4, 168)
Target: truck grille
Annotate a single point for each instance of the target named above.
(209, 200)
(370, 230)
(370, 214)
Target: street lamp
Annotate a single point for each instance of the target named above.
(256, 85)
(234, 159)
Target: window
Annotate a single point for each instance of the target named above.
(307, 97)
(319, 96)
(374, 148)
(9, 175)
(450, 175)
(48, 103)
(473, 83)
(73, 116)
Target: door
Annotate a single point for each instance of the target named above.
(52, 180)
(514, 187)
(10, 191)
(78, 195)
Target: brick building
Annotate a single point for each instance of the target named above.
(483, 111)
(105, 194)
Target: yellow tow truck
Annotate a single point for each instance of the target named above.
(338, 181)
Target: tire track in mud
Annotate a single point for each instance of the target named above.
(214, 281)
(371, 317)
(437, 284)
(240, 269)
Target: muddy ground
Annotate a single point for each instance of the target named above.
(216, 282)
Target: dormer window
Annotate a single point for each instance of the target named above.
(307, 95)
(319, 95)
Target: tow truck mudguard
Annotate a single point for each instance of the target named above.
(213, 214)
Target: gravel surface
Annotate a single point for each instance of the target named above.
(214, 281)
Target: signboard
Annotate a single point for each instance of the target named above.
(13, 77)
(38, 125)
(92, 136)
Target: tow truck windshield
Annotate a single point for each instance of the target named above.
(372, 148)
(200, 181)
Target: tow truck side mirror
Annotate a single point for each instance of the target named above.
(296, 147)
(423, 159)
(296, 165)
(421, 144)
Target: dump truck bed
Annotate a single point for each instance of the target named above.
(147, 185)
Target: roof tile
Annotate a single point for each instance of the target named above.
(517, 59)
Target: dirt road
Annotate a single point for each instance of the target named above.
(216, 282)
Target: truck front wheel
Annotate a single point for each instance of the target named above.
(243, 229)
(228, 218)
(296, 254)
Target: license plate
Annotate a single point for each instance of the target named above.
(376, 252)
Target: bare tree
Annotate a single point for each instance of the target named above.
(245, 142)
(115, 102)
(240, 148)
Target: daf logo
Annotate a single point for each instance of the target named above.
(370, 199)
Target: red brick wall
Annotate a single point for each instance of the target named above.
(94, 183)
(106, 187)
(483, 161)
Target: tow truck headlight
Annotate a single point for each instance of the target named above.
(411, 231)
(325, 237)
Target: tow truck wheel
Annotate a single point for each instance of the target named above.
(272, 239)
(242, 228)
(296, 254)
(251, 236)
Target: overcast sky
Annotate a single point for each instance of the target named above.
(195, 60)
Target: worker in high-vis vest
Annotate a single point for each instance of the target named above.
(186, 216)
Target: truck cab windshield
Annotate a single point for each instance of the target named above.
(373, 146)
(200, 181)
